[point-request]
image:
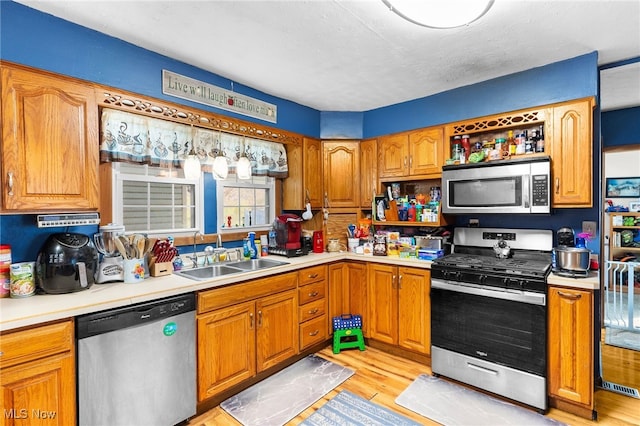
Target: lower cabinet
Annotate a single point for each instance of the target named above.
(244, 329)
(37, 375)
(571, 350)
(400, 307)
(348, 292)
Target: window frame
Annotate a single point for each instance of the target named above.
(233, 181)
(118, 177)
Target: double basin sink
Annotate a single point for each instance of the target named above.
(204, 273)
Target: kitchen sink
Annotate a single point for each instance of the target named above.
(208, 272)
(253, 264)
(218, 270)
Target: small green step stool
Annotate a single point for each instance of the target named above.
(338, 344)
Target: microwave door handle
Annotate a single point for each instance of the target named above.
(526, 191)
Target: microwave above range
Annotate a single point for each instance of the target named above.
(505, 187)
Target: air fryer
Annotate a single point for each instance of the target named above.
(67, 262)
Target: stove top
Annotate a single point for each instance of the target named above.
(480, 263)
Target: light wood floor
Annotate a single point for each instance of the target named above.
(381, 377)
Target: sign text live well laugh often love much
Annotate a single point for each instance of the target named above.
(193, 90)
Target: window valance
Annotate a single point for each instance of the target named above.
(138, 139)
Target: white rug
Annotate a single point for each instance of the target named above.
(451, 404)
(279, 398)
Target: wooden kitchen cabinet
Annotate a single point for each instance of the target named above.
(244, 329)
(399, 306)
(341, 173)
(305, 176)
(419, 153)
(572, 154)
(348, 292)
(312, 301)
(50, 144)
(571, 350)
(368, 172)
(38, 375)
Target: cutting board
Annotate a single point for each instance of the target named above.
(392, 213)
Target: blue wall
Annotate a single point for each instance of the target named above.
(621, 127)
(43, 41)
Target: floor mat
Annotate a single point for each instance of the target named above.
(349, 409)
(451, 404)
(279, 398)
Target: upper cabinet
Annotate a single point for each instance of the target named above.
(368, 172)
(410, 155)
(572, 154)
(304, 183)
(50, 144)
(341, 173)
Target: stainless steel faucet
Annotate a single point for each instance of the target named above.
(194, 259)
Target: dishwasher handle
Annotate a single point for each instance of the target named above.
(131, 316)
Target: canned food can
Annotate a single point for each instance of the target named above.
(22, 279)
(5, 281)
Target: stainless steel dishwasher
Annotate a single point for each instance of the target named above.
(137, 364)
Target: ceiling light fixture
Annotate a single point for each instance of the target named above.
(441, 14)
(220, 163)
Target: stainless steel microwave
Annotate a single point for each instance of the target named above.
(509, 186)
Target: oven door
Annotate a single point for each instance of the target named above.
(502, 327)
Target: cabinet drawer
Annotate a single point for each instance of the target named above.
(312, 310)
(33, 343)
(220, 297)
(311, 275)
(312, 292)
(312, 332)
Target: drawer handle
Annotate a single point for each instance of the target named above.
(313, 311)
(313, 294)
(314, 333)
(312, 276)
(569, 296)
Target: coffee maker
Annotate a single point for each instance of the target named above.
(110, 267)
(288, 228)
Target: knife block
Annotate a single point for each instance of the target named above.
(159, 269)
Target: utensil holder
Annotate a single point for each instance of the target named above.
(133, 271)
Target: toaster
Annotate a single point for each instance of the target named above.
(67, 262)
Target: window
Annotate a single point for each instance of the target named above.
(156, 200)
(245, 204)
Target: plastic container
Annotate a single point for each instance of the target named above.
(5, 265)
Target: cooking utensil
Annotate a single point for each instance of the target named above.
(121, 247)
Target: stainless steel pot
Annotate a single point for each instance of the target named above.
(573, 258)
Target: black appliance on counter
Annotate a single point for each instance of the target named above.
(489, 312)
(67, 262)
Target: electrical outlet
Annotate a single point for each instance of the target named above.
(589, 227)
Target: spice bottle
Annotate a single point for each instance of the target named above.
(466, 145)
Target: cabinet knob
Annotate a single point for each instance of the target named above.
(313, 311)
(251, 320)
(259, 318)
(312, 276)
(313, 294)
(399, 281)
(314, 333)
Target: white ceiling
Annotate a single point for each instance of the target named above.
(356, 55)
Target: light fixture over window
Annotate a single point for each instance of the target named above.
(440, 13)
(220, 163)
(191, 165)
(243, 167)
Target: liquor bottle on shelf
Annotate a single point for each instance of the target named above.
(540, 141)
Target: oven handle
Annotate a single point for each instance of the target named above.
(519, 296)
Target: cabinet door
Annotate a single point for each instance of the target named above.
(338, 291)
(342, 173)
(571, 344)
(571, 155)
(414, 309)
(277, 329)
(426, 151)
(293, 196)
(313, 172)
(50, 142)
(383, 303)
(40, 392)
(393, 156)
(368, 172)
(226, 348)
(358, 302)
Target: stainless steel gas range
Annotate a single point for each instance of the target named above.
(489, 312)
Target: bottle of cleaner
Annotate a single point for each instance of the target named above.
(253, 249)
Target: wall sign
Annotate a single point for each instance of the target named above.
(197, 91)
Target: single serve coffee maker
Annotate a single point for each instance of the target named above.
(288, 228)
(110, 267)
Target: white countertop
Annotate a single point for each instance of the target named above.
(41, 308)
